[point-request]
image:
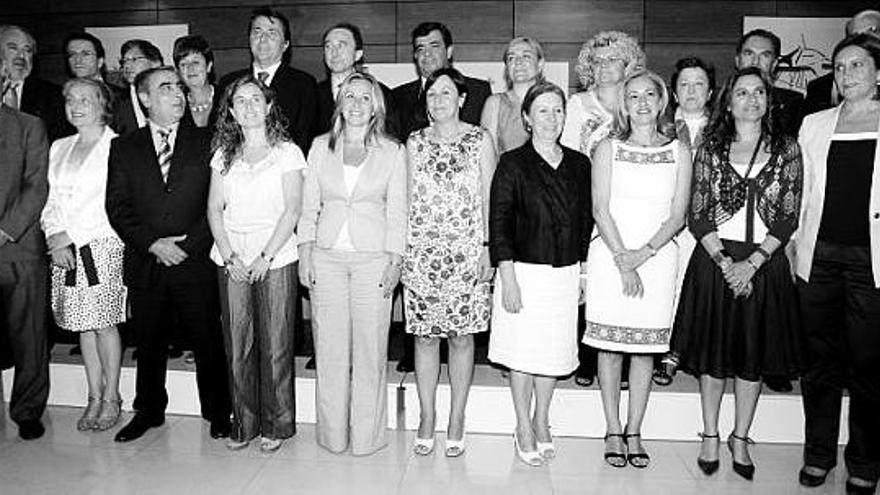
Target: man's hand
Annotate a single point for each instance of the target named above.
(167, 251)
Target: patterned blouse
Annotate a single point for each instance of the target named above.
(718, 191)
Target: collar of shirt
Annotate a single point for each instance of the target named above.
(157, 139)
(18, 86)
(336, 83)
(271, 70)
(136, 106)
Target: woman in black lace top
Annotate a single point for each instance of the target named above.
(738, 315)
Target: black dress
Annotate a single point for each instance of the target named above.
(751, 337)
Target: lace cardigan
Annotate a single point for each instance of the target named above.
(718, 191)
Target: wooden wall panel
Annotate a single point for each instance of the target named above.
(58, 6)
(688, 21)
(570, 21)
(468, 21)
(13, 7)
(222, 27)
(662, 57)
(814, 8)
(50, 30)
(375, 20)
(206, 4)
(230, 59)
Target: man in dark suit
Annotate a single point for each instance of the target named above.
(343, 55)
(24, 158)
(26, 92)
(760, 48)
(157, 189)
(86, 59)
(432, 50)
(295, 90)
(821, 92)
(136, 57)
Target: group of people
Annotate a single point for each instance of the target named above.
(715, 234)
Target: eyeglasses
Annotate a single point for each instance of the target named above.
(609, 60)
(171, 87)
(84, 54)
(131, 60)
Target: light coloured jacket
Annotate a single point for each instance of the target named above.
(376, 210)
(815, 141)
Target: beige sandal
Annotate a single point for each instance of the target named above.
(89, 417)
(111, 409)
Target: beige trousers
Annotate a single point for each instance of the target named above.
(350, 320)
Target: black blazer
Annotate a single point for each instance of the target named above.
(44, 100)
(538, 214)
(124, 119)
(24, 160)
(142, 208)
(297, 95)
(819, 94)
(788, 110)
(410, 112)
(326, 107)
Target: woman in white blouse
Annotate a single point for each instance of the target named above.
(88, 295)
(253, 207)
(352, 235)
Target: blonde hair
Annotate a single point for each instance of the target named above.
(376, 130)
(624, 46)
(622, 128)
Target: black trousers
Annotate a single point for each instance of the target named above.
(23, 293)
(841, 310)
(196, 304)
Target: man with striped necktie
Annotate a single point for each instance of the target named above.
(157, 192)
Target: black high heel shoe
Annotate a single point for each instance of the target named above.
(812, 480)
(708, 467)
(747, 471)
(854, 489)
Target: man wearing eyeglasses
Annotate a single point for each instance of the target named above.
(26, 92)
(296, 91)
(85, 58)
(136, 57)
(157, 189)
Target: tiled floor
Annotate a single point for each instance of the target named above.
(180, 458)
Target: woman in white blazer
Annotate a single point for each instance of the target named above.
(88, 296)
(837, 253)
(352, 235)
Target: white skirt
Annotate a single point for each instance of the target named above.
(542, 338)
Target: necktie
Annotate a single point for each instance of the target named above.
(164, 154)
(262, 76)
(10, 98)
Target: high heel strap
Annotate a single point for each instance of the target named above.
(747, 440)
(705, 436)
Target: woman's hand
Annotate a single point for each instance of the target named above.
(258, 269)
(739, 277)
(63, 257)
(511, 298)
(632, 283)
(306, 266)
(631, 259)
(390, 277)
(58, 241)
(237, 270)
(486, 270)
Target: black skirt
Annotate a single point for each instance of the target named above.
(724, 336)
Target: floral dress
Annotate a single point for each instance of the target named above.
(443, 294)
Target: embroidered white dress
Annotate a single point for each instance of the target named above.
(643, 184)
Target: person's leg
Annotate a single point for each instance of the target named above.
(544, 386)
(23, 287)
(151, 340)
(521, 389)
(461, 374)
(274, 317)
(822, 310)
(640, 371)
(427, 374)
(110, 354)
(862, 453)
(243, 356)
(746, 393)
(332, 320)
(94, 379)
(371, 317)
(711, 392)
(609, 365)
(586, 370)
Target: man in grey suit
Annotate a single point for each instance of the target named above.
(24, 158)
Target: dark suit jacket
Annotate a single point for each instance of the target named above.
(326, 107)
(142, 208)
(124, 119)
(24, 160)
(297, 94)
(819, 94)
(788, 110)
(410, 111)
(44, 100)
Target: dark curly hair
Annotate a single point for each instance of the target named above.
(227, 133)
(721, 129)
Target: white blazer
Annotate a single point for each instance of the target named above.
(815, 140)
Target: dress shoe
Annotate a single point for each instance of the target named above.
(854, 489)
(747, 471)
(220, 428)
(778, 384)
(706, 466)
(311, 364)
(812, 480)
(405, 365)
(31, 429)
(136, 428)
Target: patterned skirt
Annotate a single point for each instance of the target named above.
(92, 295)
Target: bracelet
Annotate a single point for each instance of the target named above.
(752, 264)
(763, 252)
(582, 276)
(263, 255)
(718, 256)
(231, 260)
(651, 248)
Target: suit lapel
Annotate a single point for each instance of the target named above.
(151, 163)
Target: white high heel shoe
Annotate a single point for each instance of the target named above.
(532, 458)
